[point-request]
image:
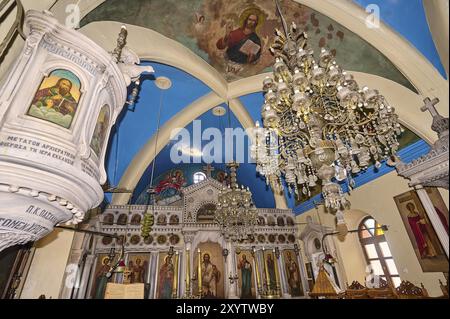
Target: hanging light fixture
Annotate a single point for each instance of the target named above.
(163, 84)
(318, 123)
(236, 214)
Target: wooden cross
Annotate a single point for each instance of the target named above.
(430, 106)
(208, 169)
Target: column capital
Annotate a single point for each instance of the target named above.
(188, 237)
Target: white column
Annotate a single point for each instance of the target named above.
(433, 216)
(81, 293)
(259, 258)
(181, 274)
(283, 279)
(71, 275)
(231, 269)
(188, 285)
(301, 266)
(255, 276)
(153, 275)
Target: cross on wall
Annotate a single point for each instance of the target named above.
(208, 169)
(430, 106)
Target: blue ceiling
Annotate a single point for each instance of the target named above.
(134, 128)
(247, 176)
(408, 18)
(137, 124)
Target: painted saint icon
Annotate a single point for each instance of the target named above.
(271, 274)
(101, 278)
(101, 128)
(56, 99)
(293, 275)
(423, 237)
(243, 45)
(246, 277)
(165, 278)
(210, 277)
(138, 267)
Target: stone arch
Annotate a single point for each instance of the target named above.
(122, 219)
(271, 221)
(136, 219)
(280, 221)
(108, 219)
(205, 213)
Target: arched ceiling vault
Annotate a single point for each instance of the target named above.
(150, 45)
(422, 74)
(398, 95)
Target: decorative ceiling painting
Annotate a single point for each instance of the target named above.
(234, 35)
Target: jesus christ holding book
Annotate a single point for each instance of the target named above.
(243, 44)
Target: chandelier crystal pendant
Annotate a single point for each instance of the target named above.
(236, 214)
(318, 123)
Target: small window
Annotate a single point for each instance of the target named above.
(377, 252)
(198, 177)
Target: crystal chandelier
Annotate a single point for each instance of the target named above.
(236, 214)
(318, 123)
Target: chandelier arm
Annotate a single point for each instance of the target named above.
(279, 110)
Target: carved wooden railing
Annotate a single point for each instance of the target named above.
(408, 290)
(356, 291)
(6, 6)
(444, 288)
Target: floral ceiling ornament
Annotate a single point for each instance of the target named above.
(319, 124)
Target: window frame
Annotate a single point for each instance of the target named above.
(195, 177)
(376, 240)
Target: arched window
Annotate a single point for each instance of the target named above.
(377, 252)
(198, 177)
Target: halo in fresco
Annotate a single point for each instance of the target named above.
(200, 25)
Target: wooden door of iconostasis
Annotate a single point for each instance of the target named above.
(212, 270)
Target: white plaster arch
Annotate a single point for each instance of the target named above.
(147, 153)
(398, 50)
(406, 102)
(153, 46)
(208, 236)
(165, 50)
(437, 17)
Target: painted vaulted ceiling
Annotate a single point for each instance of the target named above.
(199, 25)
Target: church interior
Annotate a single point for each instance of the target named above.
(224, 149)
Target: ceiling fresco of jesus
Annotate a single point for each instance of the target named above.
(234, 35)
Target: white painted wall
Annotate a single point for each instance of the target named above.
(48, 266)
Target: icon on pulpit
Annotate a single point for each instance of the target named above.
(56, 99)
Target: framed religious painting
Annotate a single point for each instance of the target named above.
(100, 279)
(293, 274)
(56, 99)
(137, 268)
(270, 270)
(165, 276)
(422, 235)
(246, 275)
(100, 130)
(211, 269)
